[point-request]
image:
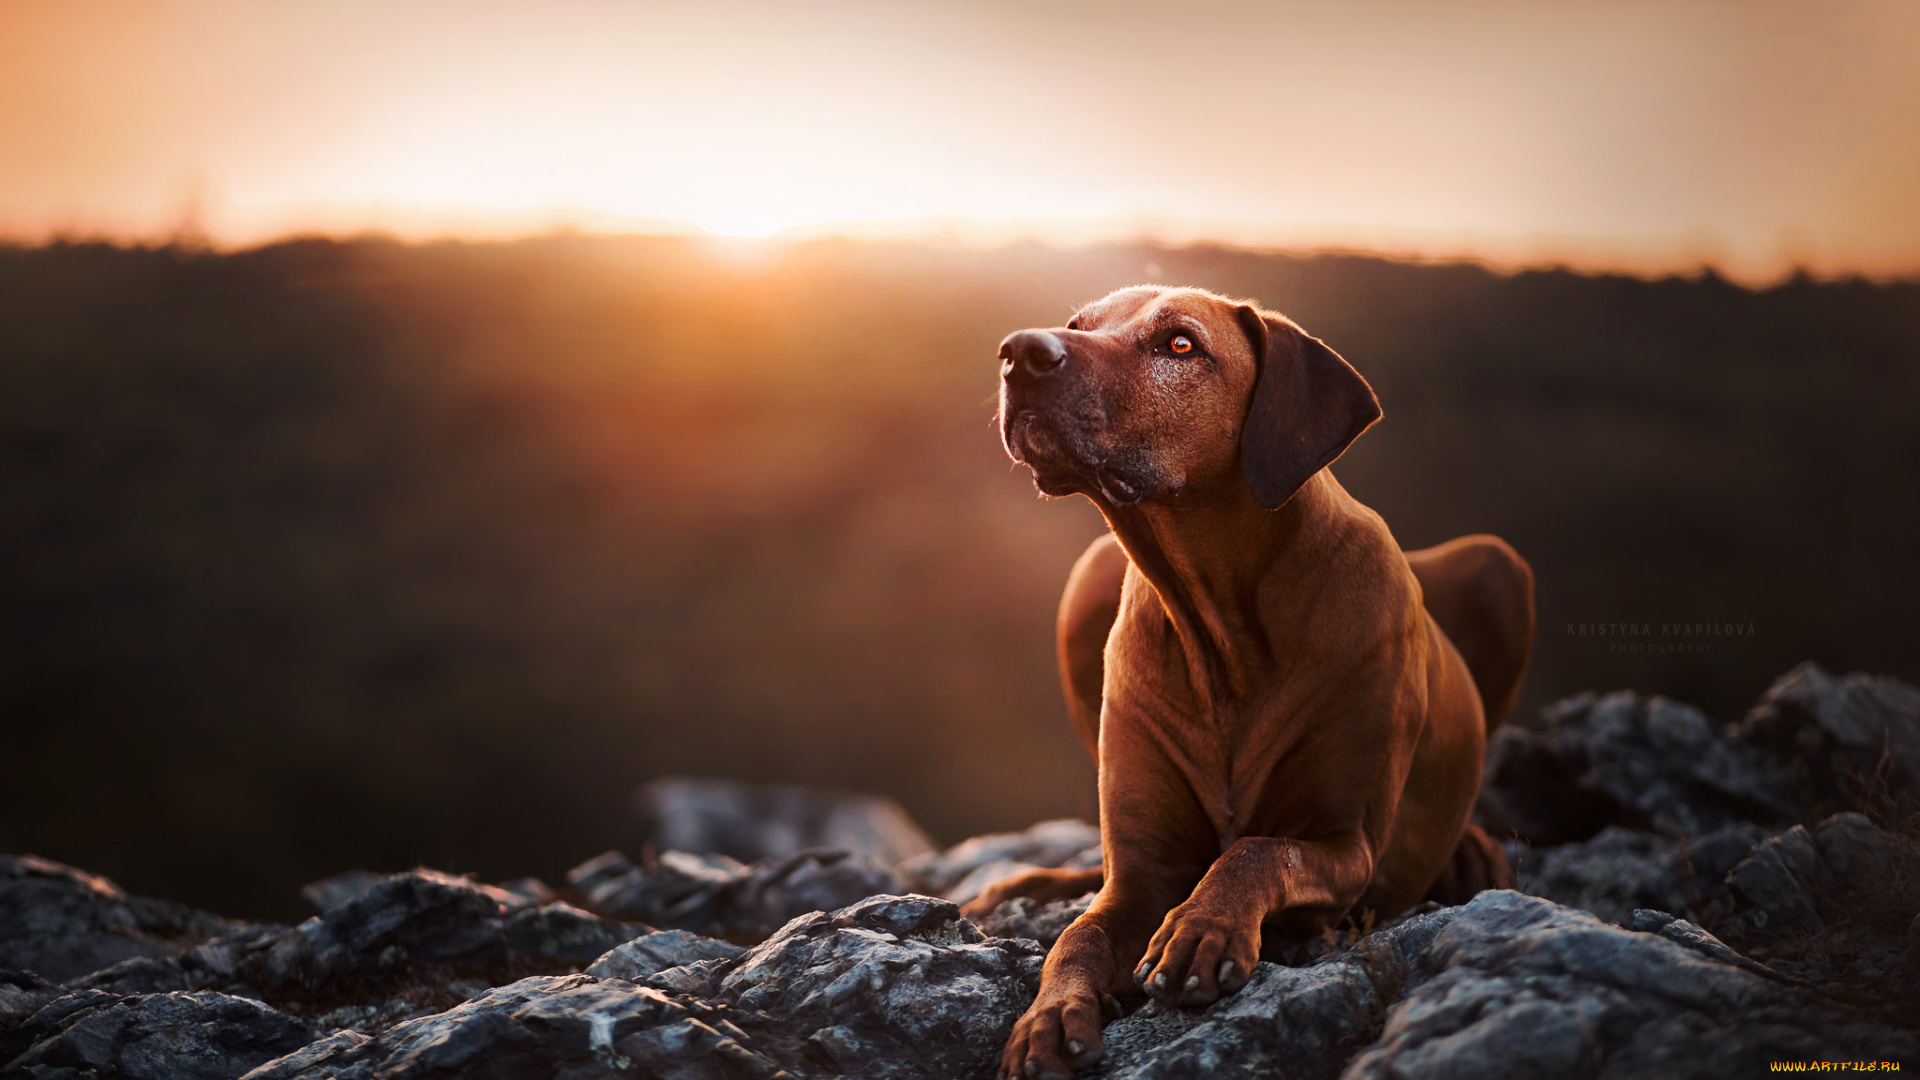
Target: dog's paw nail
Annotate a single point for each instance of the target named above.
(1192, 981)
(1111, 1005)
(1076, 1047)
(1033, 1068)
(1140, 974)
(1160, 981)
(1226, 970)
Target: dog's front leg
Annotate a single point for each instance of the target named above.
(1086, 969)
(1207, 946)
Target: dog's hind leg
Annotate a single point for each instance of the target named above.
(1041, 885)
(1480, 591)
(1478, 863)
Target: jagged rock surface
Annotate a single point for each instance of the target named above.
(650, 954)
(174, 1036)
(892, 987)
(1641, 763)
(1618, 870)
(1726, 936)
(1839, 737)
(718, 897)
(61, 923)
(1516, 986)
(750, 822)
(962, 871)
(423, 919)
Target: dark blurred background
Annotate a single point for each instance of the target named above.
(332, 554)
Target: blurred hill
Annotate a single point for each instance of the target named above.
(338, 554)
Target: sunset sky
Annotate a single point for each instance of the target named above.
(1756, 136)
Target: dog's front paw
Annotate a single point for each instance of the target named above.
(1198, 956)
(1058, 1036)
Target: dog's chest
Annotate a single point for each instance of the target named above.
(1227, 755)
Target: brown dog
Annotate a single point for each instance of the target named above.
(1287, 711)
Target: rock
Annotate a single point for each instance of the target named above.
(530, 889)
(1619, 870)
(676, 886)
(1516, 986)
(22, 993)
(1778, 884)
(140, 975)
(1850, 844)
(772, 893)
(562, 932)
(750, 822)
(720, 898)
(218, 962)
(650, 954)
(1302, 1022)
(1691, 935)
(62, 923)
(1024, 917)
(173, 1036)
(1832, 734)
(573, 1026)
(891, 988)
(1642, 763)
(329, 893)
(421, 919)
(962, 871)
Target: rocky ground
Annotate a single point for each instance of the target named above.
(1694, 900)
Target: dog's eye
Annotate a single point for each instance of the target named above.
(1181, 344)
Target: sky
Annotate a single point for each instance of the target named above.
(1756, 136)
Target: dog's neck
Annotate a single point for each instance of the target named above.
(1218, 562)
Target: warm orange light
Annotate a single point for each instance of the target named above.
(1627, 136)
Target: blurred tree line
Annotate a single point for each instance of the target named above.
(334, 554)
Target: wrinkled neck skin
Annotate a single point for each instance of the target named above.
(1227, 571)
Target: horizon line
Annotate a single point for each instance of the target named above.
(979, 235)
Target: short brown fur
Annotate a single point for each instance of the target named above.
(1286, 710)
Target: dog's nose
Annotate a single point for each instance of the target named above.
(1030, 354)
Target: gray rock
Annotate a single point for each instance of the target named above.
(562, 932)
(1303, 1022)
(650, 954)
(423, 918)
(750, 822)
(678, 885)
(62, 923)
(1023, 917)
(572, 1026)
(1832, 733)
(962, 871)
(329, 893)
(22, 993)
(530, 889)
(175, 1036)
(140, 975)
(1515, 986)
(891, 988)
(1778, 885)
(1850, 844)
(1643, 763)
(718, 897)
(1693, 936)
(1619, 870)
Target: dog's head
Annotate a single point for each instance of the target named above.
(1152, 392)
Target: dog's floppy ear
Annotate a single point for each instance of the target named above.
(1308, 406)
